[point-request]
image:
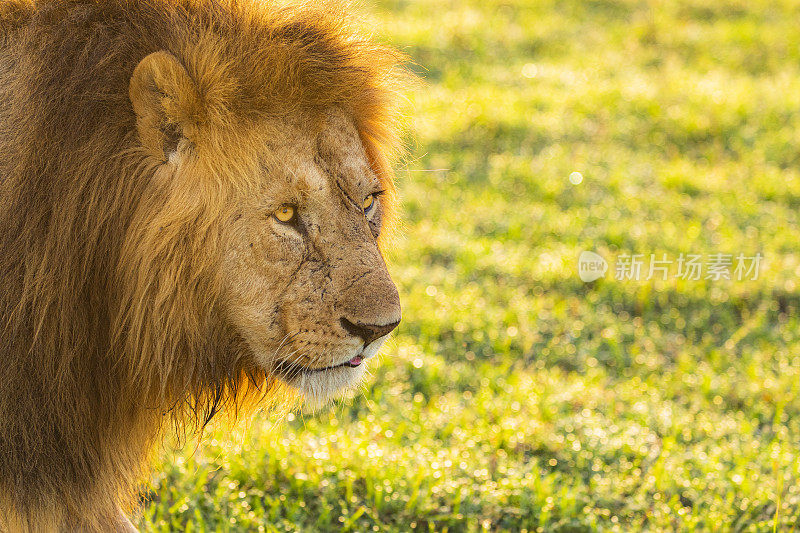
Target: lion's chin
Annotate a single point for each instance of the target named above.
(320, 388)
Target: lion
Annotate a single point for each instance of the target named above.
(194, 200)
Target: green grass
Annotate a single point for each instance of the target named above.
(514, 396)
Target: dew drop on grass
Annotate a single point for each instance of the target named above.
(576, 178)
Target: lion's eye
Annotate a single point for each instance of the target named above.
(369, 203)
(286, 214)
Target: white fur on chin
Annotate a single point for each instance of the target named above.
(320, 388)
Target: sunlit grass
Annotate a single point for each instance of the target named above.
(515, 396)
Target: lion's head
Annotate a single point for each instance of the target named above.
(281, 203)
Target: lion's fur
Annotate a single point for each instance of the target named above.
(108, 293)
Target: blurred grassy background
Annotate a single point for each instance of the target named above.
(514, 396)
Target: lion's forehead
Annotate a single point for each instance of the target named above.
(306, 176)
(318, 161)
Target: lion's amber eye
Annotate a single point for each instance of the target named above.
(368, 202)
(285, 213)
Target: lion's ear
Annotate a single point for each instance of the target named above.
(163, 97)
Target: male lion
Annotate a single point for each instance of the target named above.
(191, 196)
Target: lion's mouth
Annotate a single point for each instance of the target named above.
(293, 370)
(352, 363)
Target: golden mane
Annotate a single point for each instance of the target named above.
(108, 286)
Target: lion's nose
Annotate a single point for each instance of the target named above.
(368, 332)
